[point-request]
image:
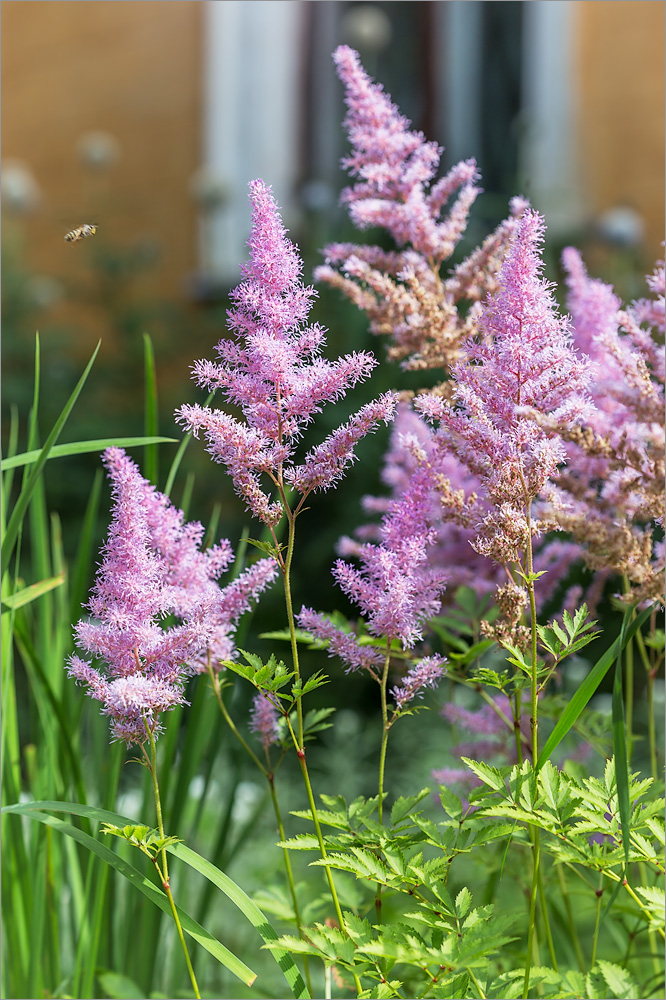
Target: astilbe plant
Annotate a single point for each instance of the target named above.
(612, 499)
(543, 427)
(403, 292)
(153, 570)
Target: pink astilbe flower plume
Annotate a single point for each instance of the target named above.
(264, 720)
(523, 363)
(395, 188)
(152, 569)
(274, 371)
(612, 492)
(397, 591)
(395, 167)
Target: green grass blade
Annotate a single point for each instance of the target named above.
(248, 908)
(150, 462)
(12, 444)
(31, 593)
(182, 447)
(84, 448)
(139, 881)
(191, 858)
(620, 745)
(25, 496)
(49, 706)
(588, 687)
(80, 574)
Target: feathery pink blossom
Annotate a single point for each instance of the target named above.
(264, 719)
(274, 371)
(395, 167)
(523, 362)
(427, 673)
(152, 568)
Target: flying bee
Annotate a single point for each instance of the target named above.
(81, 233)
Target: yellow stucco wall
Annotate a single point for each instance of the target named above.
(620, 68)
(132, 70)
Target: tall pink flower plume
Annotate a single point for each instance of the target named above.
(395, 168)
(403, 291)
(522, 364)
(274, 371)
(153, 568)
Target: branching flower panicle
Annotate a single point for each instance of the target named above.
(274, 371)
(612, 492)
(523, 362)
(396, 188)
(153, 569)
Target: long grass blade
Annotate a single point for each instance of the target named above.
(588, 687)
(133, 875)
(150, 461)
(84, 448)
(26, 493)
(233, 892)
(28, 594)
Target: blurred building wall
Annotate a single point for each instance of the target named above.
(619, 67)
(132, 72)
(222, 86)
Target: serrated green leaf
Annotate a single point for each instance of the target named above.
(489, 775)
(451, 802)
(463, 902)
(301, 842)
(618, 980)
(587, 688)
(404, 805)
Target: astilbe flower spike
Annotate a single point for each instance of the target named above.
(523, 363)
(396, 188)
(612, 491)
(274, 371)
(397, 592)
(152, 568)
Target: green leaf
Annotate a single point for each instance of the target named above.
(16, 519)
(618, 979)
(84, 448)
(451, 802)
(587, 688)
(133, 875)
(31, 593)
(404, 805)
(489, 775)
(241, 900)
(463, 902)
(119, 987)
(150, 462)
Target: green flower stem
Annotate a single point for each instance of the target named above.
(535, 747)
(385, 732)
(286, 576)
(270, 777)
(300, 752)
(382, 761)
(546, 924)
(597, 922)
(230, 722)
(482, 995)
(297, 737)
(290, 877)
(165, 868)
